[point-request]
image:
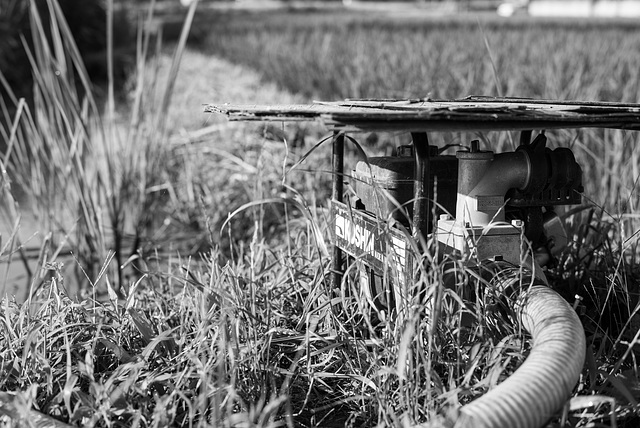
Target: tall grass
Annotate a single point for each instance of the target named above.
(89, 172)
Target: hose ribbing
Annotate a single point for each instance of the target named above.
(541, 385)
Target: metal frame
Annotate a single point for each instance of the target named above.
(421, 214)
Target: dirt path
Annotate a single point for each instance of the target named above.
(205, 79)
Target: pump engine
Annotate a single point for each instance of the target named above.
(484, 204)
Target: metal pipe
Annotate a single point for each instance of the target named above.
(542, 384)
(483, 180)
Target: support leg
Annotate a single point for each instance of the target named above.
(337, 195)
(421, 211)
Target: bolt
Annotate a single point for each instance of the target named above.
(498, 258)
(445, 217)
(475, 146)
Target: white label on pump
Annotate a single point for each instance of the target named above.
(486, 203)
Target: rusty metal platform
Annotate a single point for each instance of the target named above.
(475, 113)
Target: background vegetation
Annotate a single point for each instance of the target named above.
(189, 316)
(335, 55)
(87, 24)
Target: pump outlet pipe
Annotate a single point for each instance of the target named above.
(542, 384)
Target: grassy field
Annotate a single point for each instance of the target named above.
(336, 56)
(203, 306)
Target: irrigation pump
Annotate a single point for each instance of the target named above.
(522, 186)
(482, 189)
(493, 211)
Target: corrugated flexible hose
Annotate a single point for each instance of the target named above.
(542, 384)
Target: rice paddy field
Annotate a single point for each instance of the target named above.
(180, 270)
